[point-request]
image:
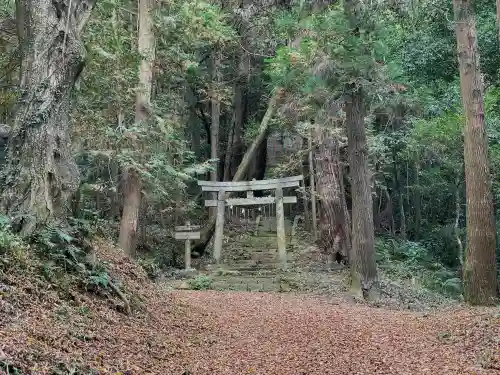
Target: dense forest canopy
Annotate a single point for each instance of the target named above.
(155, 95)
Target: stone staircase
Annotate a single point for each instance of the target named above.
(250, 263)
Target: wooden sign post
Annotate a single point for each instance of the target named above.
(250, 186)
(186, 232)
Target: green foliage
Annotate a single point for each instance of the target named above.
(9, 368)
(329, 55)
(411, 262)
(63, 255)
(151, 267)
(201, 282)
(7, 8)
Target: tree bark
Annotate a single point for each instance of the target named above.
(215, 124)
(364, 281)
(234, 135)
(362, 261)
(398, 189)
(335, 232)
(498, 19)
(480, 286)
(307, 216)
(458, 211)
(132, 197)
(130, 216)
(41, 176)
(417, 197)
(312, 188)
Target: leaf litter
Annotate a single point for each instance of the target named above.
(216, 333)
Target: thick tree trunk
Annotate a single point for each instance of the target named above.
(479, 268)
(362, 261)
(194, 127)
(130, 216)
(132, 182)
(41, 177)
(364, 281)
(312, 188)
(334, 229)
(307, 215)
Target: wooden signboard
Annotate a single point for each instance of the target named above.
(186, 232)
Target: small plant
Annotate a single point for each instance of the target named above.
(201, 282)
(9, 368)
(151, 267)
(84, 310)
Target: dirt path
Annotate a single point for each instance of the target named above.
(238, 333)
(291, 335)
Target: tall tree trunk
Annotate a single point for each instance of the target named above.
(398, 189)
(498, 19)
(312, 187)
(362, 261)
(479, 267)
(215, 124)
(132, 181)
(194, 124)
(417, 197)
(307, 216)
(130, 216)
(458, 212)
(239, 103)
(334, 225)
(41, 176)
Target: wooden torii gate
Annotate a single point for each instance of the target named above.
(222, 188)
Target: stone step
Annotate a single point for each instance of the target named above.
(248, 287)
(257, 272)
(254, 262)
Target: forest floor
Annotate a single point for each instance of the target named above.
(215, 332)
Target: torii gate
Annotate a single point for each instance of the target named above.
(222, 188)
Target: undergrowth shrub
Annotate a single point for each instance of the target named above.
(14, 251)
(201, 282)
(406, 260)
(151, 266)
(442, 243)
(60, 255)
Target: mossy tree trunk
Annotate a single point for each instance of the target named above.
(40, 176)
(480, 265)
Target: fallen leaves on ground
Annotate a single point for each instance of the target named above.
(216, 333)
